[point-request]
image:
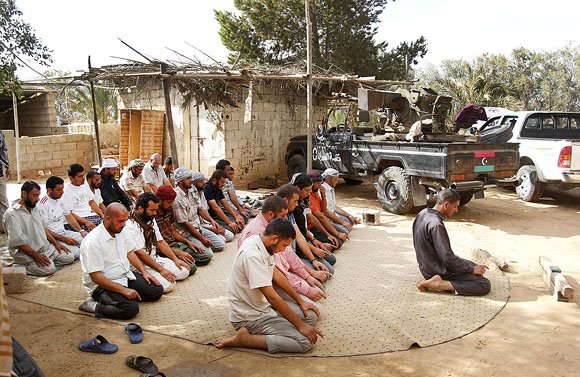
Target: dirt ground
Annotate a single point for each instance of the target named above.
(532, 336)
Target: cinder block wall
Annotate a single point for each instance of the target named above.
(53, 154)
(256, 149)
(36, 117)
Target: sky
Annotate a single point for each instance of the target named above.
(454, 29)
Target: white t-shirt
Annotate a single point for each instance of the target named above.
(136, 239)
(253, 269)
(152, 176)
(101, 252)
(77, 199)
(98, 198)
(53, 213)
(330, 198)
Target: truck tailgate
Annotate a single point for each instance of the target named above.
(473, 161)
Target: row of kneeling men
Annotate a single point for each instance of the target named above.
(134, 251)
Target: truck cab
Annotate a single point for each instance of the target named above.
(549, 151)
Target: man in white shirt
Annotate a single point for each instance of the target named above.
(106, 261)
(54, 212)
(28, 242)
(80, 199)
(154, 174)
(132, 181)
(94, 183)
(339, 218)
(261, 317)
(145, 238)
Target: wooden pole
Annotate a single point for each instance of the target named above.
(309, 112)
(95, 119)
(16, 135)
(555, 281)
(168, 115)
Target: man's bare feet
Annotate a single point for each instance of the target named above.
(238, 340)
(434, 283)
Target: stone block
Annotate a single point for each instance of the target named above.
(44, 156)
(64, 153)
(54, 163)
(15, 279)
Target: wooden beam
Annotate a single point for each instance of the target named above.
(169, 116)
(555, 281)
(95, 119)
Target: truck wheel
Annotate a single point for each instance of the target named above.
(296, 164)
(394, 190)
(465, 198)
(529, 188)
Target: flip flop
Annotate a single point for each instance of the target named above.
(158, 374)
(142, 363)
(135, 332)
(98, 344)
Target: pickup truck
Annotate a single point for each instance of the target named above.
(405, 174)
(549, 151)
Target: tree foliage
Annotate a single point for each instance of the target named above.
(274, 32)
(17, 42)
(524, 80)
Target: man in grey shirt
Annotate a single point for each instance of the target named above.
(441, 268)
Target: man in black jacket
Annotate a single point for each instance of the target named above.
(441, 268)
(110, 190)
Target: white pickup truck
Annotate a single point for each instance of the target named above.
(549, 151)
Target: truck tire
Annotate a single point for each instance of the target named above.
(296, 164)
(394, 190)
(529, 188)
(496, 135)
(465, 198)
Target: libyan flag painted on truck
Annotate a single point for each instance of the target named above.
(484, 161)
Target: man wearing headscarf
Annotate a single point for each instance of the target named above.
(132, 181)
(186, 250)
(110, 190)
(186, 209)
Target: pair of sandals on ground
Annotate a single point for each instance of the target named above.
(100, 344)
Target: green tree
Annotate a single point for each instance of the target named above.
(79, 105)
(274, 33)
(472, 83)
(17, 43)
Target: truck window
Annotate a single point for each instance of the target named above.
(561, 122)
(533, 123)
(548, 122)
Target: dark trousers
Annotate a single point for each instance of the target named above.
(116, 306)
(224, 224)
(322, 237)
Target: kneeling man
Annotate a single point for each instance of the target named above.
(441, 268)
(106, 260)
(261, 317)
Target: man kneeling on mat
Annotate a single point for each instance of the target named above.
(261, 317)
(441, 268)
(106, 260)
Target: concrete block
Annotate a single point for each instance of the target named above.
(62, 154)
(15, 279)
(44, 156)
(54, 163)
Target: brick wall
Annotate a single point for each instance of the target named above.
(256, 149)
(36, 117)
(53, 154)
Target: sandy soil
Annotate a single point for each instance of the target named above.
(533, 336)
